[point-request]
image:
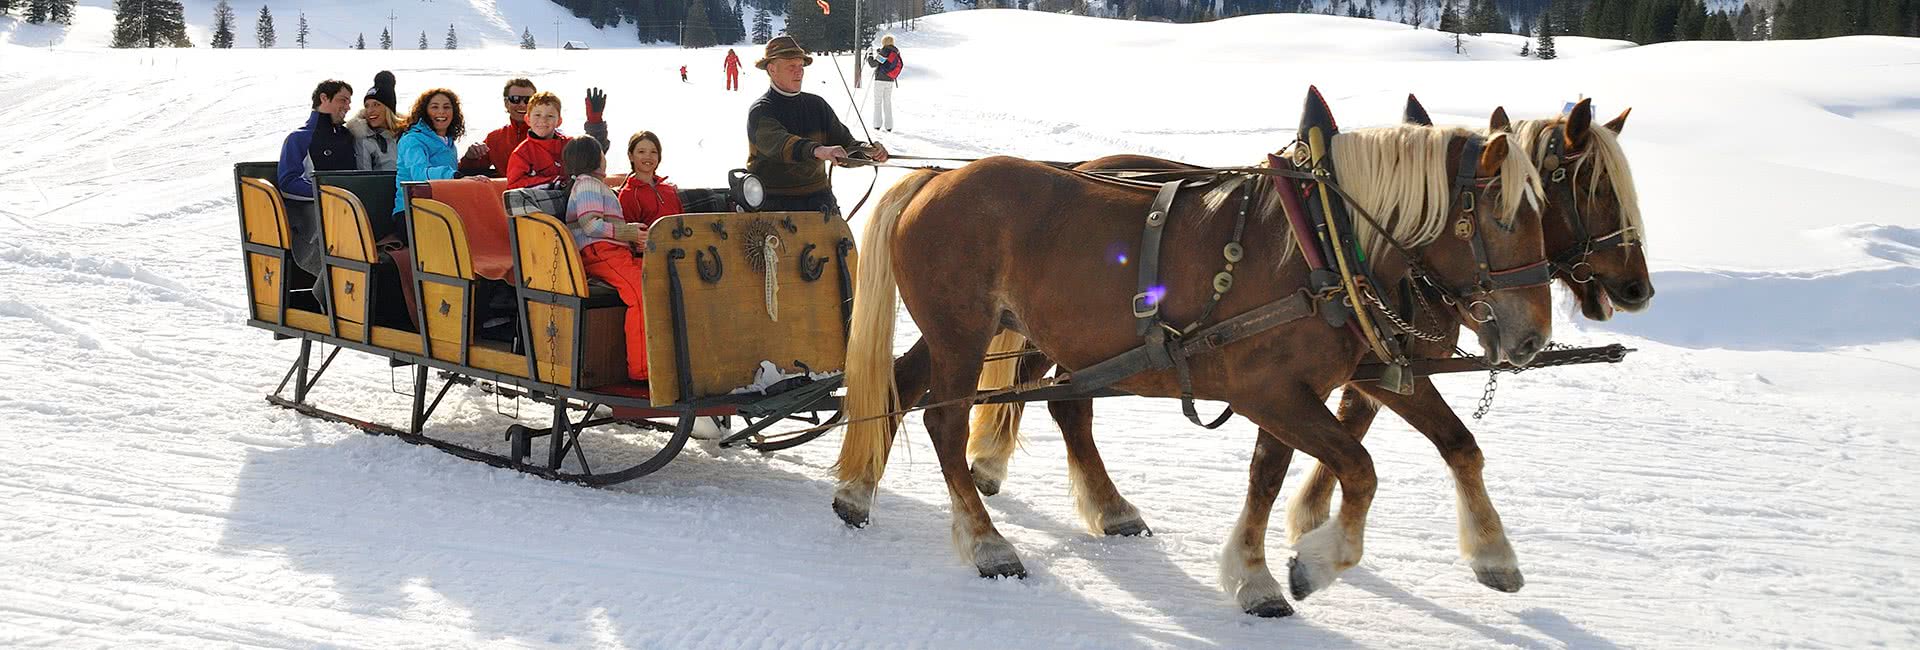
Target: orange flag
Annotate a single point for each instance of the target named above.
(825, 9)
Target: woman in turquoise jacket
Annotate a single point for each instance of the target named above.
(426, 149)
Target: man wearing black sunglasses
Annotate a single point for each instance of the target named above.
(490, 157)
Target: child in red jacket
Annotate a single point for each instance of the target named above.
(537, 160)
(647, 196)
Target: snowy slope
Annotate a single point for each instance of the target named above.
(335, 25)
(1739, 482)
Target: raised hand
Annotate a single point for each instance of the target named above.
(596, 104)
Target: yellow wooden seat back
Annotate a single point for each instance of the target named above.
(546, 260)
(440, 252)
(263, 221)
(349, 235)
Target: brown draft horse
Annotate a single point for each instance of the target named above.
(969, 258)
(1573, 221)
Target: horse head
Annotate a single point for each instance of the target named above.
(1592, 213)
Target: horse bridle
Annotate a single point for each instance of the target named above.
(1474, 297)
(1556, 165)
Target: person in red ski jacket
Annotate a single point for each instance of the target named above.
(647, 196)
(733, 70)
(490, 156)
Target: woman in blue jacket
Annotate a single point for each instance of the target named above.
(426, 148)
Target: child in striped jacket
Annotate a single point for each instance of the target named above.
(609, 244)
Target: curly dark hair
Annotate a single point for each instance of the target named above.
(455, 129)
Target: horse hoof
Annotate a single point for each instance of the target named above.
(855, 516)
(1298, 581)
(1004, 569)
(1135, 528)
(1503, 580)
(988, 487)
(1276, 608)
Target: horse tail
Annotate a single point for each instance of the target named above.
(871, 391)
(995, 427)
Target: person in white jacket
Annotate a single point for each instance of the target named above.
(886, 64)
(376, 129)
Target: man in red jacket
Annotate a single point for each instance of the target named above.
(733, 70)
(490, 157)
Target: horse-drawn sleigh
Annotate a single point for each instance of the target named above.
(1378, 242)
(430, 300)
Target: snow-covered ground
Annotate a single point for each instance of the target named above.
(1746, 479)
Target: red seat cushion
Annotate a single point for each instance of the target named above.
(485, 218)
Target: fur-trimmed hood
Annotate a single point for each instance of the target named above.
(358, 126)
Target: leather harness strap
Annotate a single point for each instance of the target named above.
(1559, 168)
(1146, 303)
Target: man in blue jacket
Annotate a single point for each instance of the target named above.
(322, 145)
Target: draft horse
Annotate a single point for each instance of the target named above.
(1010, 244)
(1592, 226)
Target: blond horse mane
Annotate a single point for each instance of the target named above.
(1604, 154)
(1398, 174)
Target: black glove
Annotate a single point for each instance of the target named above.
(596, 104)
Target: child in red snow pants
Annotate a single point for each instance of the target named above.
(619, 266)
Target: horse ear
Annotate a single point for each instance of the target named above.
(1416, 113)
(1493, 155)
(1578, 122)
(1618, 123)
(1499, 121)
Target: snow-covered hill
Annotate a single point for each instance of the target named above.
(1746, 479)
(335, 25)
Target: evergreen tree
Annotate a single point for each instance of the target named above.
(1567, 16)
(1416, 12)
(936, 6)
(150, 23)
(223, 25)
(1545, 50)
(526, 39)
(423, 39)
(1450, 17)
(763, 26)
(699, 26)
(386, 38)
(1526, 49)
(300, 34)
(1691, 25)
(263, 28)
(61, 12)
(453, 41)
(360, 41)
(37, 10)
(1719, 27)
(1485, 17)
(805, 23)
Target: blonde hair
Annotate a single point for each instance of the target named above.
(1603, 152)
(1398, 175)
(395, 121)
(543, 98)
